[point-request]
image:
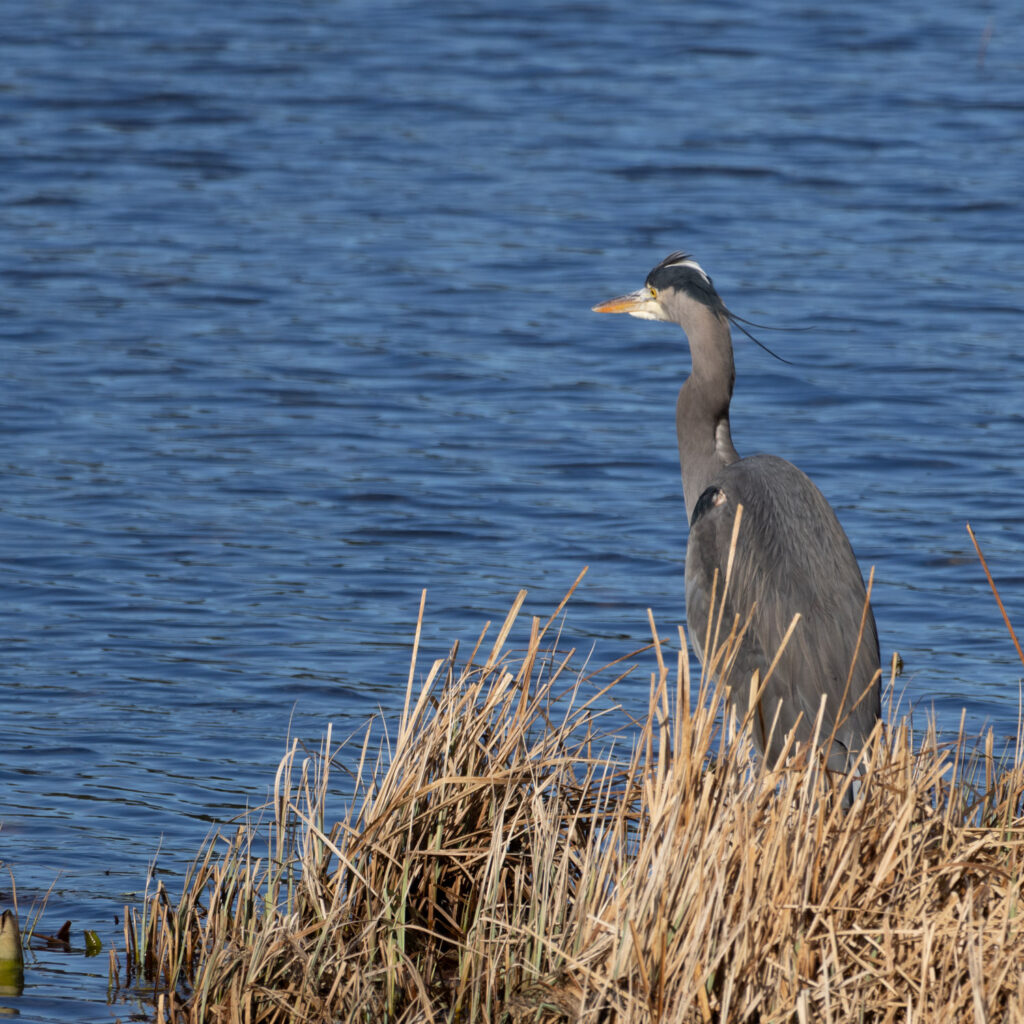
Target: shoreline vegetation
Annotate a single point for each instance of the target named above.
(501, 861)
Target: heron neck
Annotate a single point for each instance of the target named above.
(702, 409)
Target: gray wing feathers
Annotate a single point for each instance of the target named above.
(792, 556)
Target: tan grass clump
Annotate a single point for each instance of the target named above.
(501, 863)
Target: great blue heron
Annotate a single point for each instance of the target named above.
(791, 555)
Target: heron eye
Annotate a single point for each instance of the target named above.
(653, 291)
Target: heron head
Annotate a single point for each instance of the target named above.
(678, 290)
(671, 292)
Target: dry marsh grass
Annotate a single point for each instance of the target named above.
(499, 862)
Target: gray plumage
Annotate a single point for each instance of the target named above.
(792, 555)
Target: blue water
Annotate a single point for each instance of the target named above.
(295, 323)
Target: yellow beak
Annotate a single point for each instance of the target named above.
(632, 303)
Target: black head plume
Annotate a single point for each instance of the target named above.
(682, 272)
